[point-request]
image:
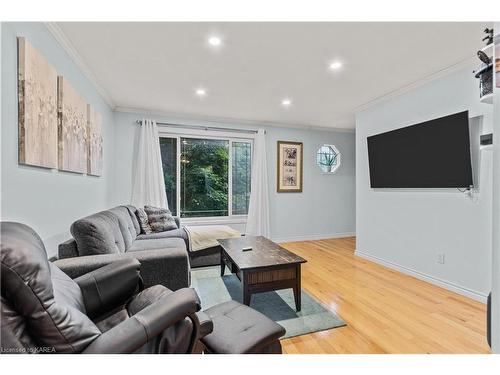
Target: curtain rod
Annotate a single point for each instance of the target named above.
(213, 128)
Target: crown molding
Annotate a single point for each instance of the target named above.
(66, 44)
(187, 118)
(467, 63)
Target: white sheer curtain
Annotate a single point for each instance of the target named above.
(149, 186)
(258, 208)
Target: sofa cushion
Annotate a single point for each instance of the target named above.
(50, 302)
(99, 233)
(147, 297)
(132, 211)
(160, 219)
(175, 233)
(159, 243)
(126, 225)
(143, 220)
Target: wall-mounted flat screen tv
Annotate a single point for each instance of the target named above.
(432, 154)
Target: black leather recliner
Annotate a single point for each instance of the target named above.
(104, 311)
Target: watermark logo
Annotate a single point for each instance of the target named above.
(28, 350)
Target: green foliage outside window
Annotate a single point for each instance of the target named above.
(204, 176)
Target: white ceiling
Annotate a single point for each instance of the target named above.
(157, 66)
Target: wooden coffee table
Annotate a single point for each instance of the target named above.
(266, 267)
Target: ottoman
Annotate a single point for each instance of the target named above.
(239, 329)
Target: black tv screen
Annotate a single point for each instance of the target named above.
(432, 154)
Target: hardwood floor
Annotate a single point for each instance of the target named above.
(385, 311)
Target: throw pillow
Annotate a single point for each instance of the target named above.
(142, 217)
(160, 219)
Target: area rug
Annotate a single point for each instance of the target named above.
(279, 305)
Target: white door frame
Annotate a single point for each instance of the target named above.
(495, 282)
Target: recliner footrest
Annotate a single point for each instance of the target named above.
(239, 329)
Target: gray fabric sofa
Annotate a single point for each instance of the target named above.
(116, 231)
(114, 234)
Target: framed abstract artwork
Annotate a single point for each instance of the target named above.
(94, 129)
(290, 170)
(72, 129)
(37, 107)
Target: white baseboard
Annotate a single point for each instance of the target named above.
(313, 237)
(478, 296)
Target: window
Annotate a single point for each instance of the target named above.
(206, 177)
(328, 158)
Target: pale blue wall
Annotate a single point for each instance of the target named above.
(325, 208)
(47, 200)
(408, 227)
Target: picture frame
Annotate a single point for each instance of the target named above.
(290, 167)
(37, 108)
(95, 142)
(72, 129)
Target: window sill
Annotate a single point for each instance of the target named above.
(214, 220)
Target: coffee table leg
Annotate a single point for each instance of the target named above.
(297, 290)
(246, 291)
(246, 297)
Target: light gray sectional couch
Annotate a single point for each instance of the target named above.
(114, 234)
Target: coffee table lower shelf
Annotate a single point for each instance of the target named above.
(265, 279)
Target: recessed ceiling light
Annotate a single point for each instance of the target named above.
(286, 102)
(214, 41)
(201, 92)
(335, 65)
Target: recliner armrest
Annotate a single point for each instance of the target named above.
(110, 286)
(158, 266)
(133, 333)
(67, 249)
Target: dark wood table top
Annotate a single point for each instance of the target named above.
(264, 253)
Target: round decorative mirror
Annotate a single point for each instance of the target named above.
(328, 158)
